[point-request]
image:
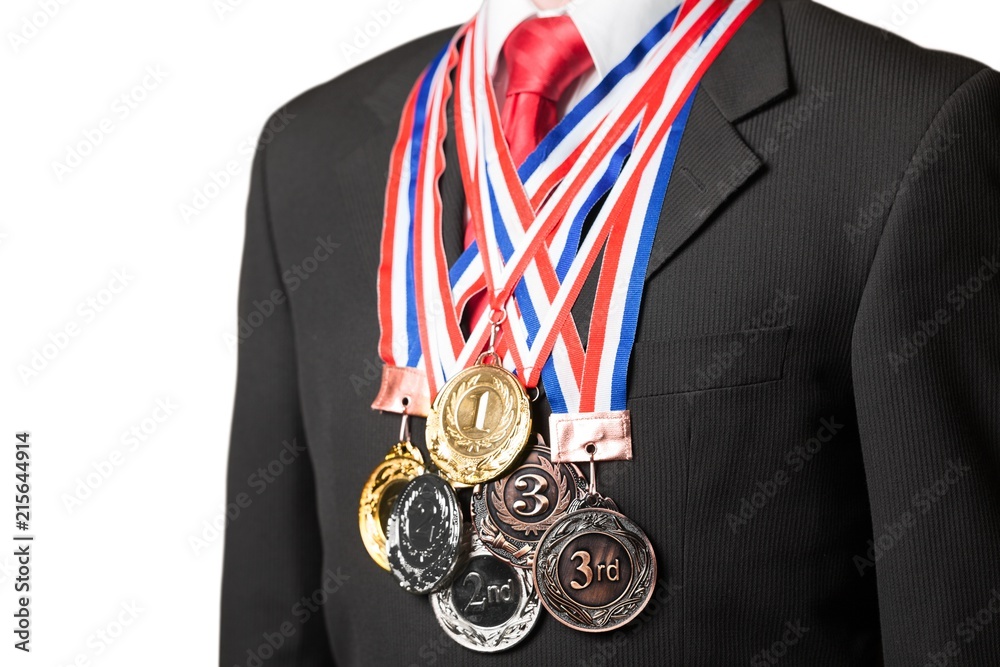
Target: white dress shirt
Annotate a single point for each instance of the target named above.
(610, 29)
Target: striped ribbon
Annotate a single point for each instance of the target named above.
(531, 254)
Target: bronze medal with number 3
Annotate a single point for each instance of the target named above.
(479, 424)
(511, 513)
(595, 569)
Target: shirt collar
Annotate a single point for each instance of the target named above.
(610, 28)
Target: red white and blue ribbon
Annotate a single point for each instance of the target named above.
(680, 60)
(528, 223)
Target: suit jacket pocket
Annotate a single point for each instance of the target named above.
(714, 361)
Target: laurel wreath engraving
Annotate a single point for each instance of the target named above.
(482, 638)
(494, 638)
(622, 610)
(565, 496)
(519, 549)
(468, 461)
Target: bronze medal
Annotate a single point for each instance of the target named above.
(378, 497)
(595, 569)
(511, 513)
(479, 424)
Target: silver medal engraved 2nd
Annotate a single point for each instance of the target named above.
(490, 605)
(424, 540)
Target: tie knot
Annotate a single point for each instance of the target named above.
(544, 56)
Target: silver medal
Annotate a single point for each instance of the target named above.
(424, 535)
(490, 605)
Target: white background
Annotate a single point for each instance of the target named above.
(122, 545)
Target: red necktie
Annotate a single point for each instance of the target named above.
(544, 56)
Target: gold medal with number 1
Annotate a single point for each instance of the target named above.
(480, 422)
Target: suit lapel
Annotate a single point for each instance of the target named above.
(714, 162)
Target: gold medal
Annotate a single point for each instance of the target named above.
(390, 477)
(479, 424)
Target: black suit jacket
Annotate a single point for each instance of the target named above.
(815, 385)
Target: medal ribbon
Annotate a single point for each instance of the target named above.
(553, 156)
(529, 261)
(494, 165)
(400, 345)
(678, 66)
